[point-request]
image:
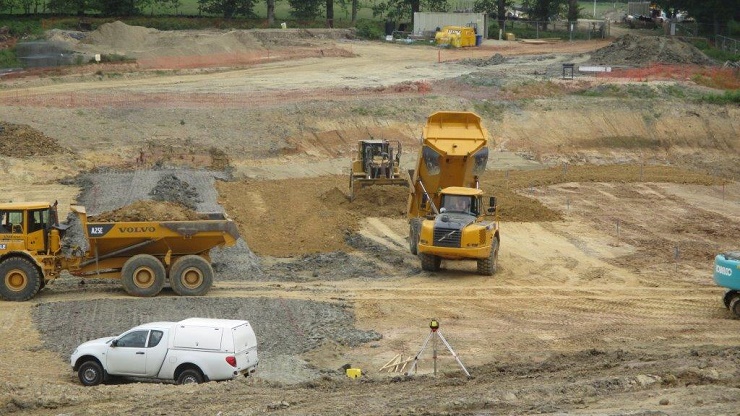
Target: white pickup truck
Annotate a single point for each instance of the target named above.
(190, 351)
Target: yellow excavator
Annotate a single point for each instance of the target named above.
(376, 162)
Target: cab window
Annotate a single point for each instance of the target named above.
(135, 339)
(37, 220)
(154, 338)
(11, 222)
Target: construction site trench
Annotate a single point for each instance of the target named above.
(615, 193)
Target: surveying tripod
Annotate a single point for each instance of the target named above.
(433, 335)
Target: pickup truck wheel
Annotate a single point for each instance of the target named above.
(19, 279)
(414, 230)
(90, 373)
(488, 266)
(430, 262)
(190, 376)
(143, 275)
(191, 276)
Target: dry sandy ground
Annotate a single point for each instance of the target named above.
(603, 303)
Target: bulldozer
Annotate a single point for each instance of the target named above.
(375, 162)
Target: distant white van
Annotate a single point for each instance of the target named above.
(190, 351)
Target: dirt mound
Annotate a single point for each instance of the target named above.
(21, 141)
(141, 42)
(120, 35)
(371, 201)
(635, 50)
(149, 211)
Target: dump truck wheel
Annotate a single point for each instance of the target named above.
(143, 275)
(488, 266)
(90, 373)
(735, 306)
(191, 276)
(414, 230)
(430, 262)
(19, 279)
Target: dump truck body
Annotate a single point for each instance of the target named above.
(727, 275)
(454, 153)
(142, 254)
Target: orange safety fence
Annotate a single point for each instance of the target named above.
(720, 77)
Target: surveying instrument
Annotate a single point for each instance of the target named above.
(435, 335)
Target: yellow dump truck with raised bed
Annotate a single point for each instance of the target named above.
(35, 248)
(447, 211)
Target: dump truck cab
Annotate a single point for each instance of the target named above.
(23, 226)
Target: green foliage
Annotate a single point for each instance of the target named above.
(8, 59)
(23, 27)
(729, 97)
(305, 9)
(370, 29)
(715, 53)
(490, 110)
(228, 8)
(604, 90)
(116, 58)
(640, 91)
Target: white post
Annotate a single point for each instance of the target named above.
(594, 9)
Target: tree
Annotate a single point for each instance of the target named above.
(117, 8)
(543, 10)
(573, 10)
(496, 8)
(228, 8)
(270, 12)
(305, 9)
(716, 12)
(405, 9)
(330, 13)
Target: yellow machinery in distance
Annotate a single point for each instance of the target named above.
(456, 36)
(448, 216)
(376, 162)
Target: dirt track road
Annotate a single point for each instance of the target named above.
(591, 314)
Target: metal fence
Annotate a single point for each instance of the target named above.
(727, 44)
(532, 29)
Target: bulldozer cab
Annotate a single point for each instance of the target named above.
(376, 162)
(377, 158)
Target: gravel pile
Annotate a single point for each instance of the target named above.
(173, 189)
(496, 59)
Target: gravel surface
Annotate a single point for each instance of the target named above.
(284, 327)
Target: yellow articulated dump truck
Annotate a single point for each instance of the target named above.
(35, 248)
(448, 215)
